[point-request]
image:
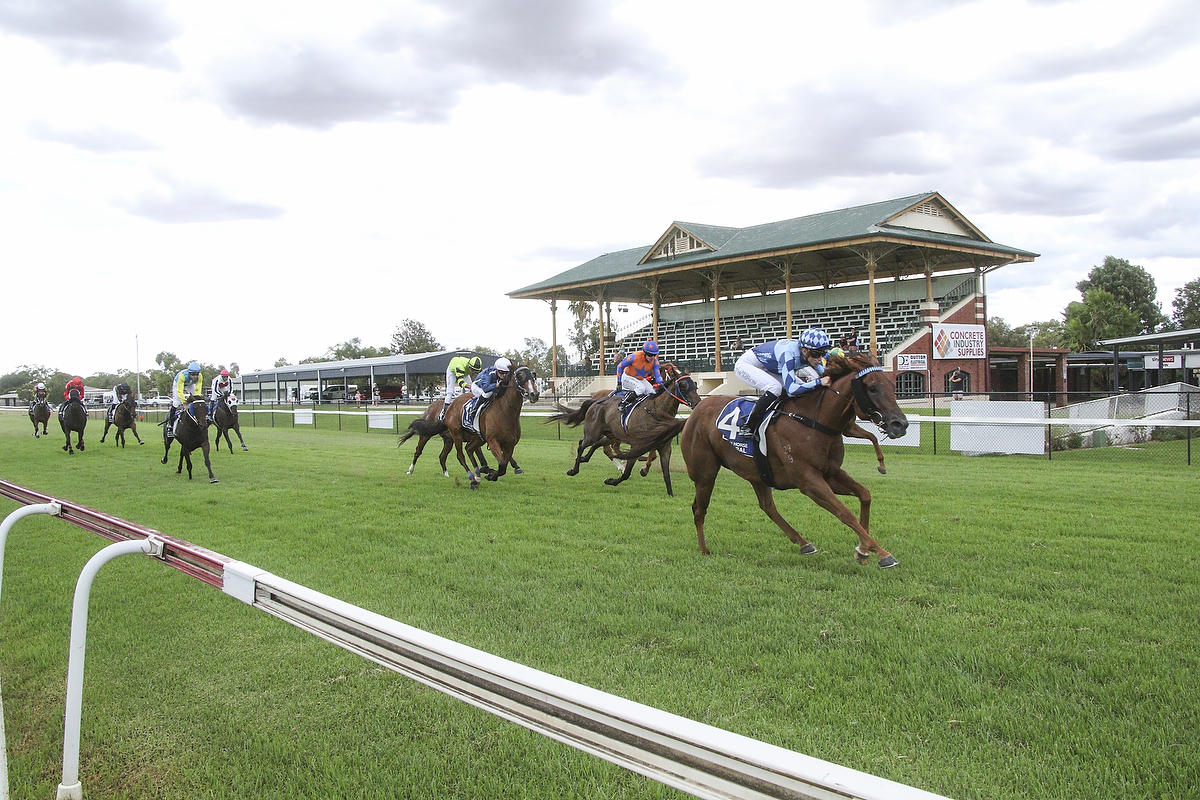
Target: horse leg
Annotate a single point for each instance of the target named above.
(477, 453)
(237, 428)
(664, 459)
(458, 446)
(842, 483)
(184, 453)
(107, 425)
(421, 442)
(207, 461)
(447, 445)
(704, 476)
(516, 469)
(580, 458)
(166, 445)
(79, 444)
(766, 501)
(501, 461)
(68, 448)
(133, 427)
(822, 493)
(624, 475)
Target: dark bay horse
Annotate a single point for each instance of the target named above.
(39, 414)
(124, 416)
(804, 450)
(225, 417)
(191, 429)
(651, 426)
(72, 416)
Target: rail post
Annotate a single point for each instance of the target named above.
(24, 511)
(71, 788)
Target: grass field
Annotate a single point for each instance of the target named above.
(1038, 639)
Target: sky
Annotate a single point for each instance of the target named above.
(242, 182)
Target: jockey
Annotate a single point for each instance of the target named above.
(460, 373)
(75, 384)
(119, 393)
(39, 393)
(783, 367)
(221, 385)
(636, 368)
(183, 387)
(489, 380)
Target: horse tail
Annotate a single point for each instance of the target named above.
(423, 428)
(570, 416)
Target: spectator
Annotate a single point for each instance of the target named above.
(852, 340)
(375, 395)
(738, 347)
(957, 382)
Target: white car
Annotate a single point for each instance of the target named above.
(157, 401)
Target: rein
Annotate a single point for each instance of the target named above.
(671, 390)
(864, 402)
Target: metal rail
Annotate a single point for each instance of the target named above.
(699, 759)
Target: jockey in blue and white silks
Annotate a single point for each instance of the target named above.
(489, 380)
(784, 367)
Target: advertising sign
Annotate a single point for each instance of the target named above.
(912, 361)
(959, 341)
(1170, 361)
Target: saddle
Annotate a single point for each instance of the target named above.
(471, 411)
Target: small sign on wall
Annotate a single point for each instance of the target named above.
(959, 341)
(912, 361)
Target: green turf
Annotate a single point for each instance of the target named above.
(1038, 639)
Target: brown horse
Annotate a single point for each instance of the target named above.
(124, 416)
(72, 416)
(499, 427)
(191, 431)
(39, 414)
(651, 426)
(804, 450)
(433, 426)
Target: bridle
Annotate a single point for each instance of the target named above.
(674, 384)
(863, 400)
(522, 384)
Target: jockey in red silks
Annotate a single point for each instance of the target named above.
(636, 368)
(75, 383)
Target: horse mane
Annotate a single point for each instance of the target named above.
(847, 361)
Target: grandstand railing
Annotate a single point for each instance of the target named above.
(698, 759)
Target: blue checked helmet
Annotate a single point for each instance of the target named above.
(815, 339)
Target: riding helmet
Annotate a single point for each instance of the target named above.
(650, 348)
(815, 339)
(224, 373)
(194, 366)
(503, 365)
(475, 364)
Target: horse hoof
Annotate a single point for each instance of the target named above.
(611, 481)
(518, 471)
(572, 472)
(882, 471)
(79, 447)
(245, 449)
(888, 561)
(808, 549)
(163, 460)
(861, 558)
(66, 449)
(141, 442)
(474, 484)
(212, 480)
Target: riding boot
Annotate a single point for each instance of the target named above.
(761, 407)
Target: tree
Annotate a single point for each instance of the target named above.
(412, 336)
(1099, 316)
(282, 362)
(1132, 287)
(1050, 333)
(999, 334)
(534, 355)
(1187, 305)
(585, 334)
(354, 349)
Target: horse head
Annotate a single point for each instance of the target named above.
(524, 378)
(680, 385)
(873, 394)
(198, 409)
(75, 394)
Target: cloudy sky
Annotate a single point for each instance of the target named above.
(238, 181)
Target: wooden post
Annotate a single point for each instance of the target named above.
(787, 296)
(554, 341)
(716, 286)
(654, 302)
(871, 300)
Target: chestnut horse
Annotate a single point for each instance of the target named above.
(651, 426)
(39, 414)
(499, 427)
(436, 427)
(191, 430)
(124, 416)
(804, 450)
(72, 416)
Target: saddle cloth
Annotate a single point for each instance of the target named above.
(471, 411)
(627, 410)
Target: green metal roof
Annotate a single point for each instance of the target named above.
(819, 248)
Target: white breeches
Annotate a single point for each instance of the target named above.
(452, 390)
(750, 370)
(638, 385)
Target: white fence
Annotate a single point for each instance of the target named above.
(698, 759)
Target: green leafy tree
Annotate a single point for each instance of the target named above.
(535, 355)
(1099, 316)
(1187, 305)
(1049, 333)
(1132, 286)
(412, 336)
(585, 333)
(1000, 334)
(282, 362)
(354, 349)
(25, 378)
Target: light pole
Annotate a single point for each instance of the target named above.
(1033, 331)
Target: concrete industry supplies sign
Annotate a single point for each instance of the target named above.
(959, 341)
(912, 361)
